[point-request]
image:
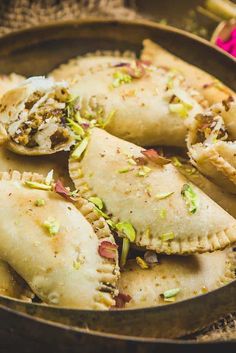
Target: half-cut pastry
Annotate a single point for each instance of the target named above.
(8, 82)
(209, 87)
(226, 200)
(150, 199)
(176, 278)
(33, 117)
(64, 259)
(137, 102)
(11, 285)
(212, 149)
(80, 66)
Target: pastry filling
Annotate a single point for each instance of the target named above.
(42, 121)
(210, 128)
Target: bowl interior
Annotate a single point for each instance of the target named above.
(39, 50)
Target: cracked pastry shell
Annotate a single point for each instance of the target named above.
(214, 156)
(33, 117)
(130, 195)
(64, 268)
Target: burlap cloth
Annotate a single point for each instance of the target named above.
(17, 14)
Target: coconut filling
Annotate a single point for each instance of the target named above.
(210, 129)
(42, 122)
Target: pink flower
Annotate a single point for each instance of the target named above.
(228, 45)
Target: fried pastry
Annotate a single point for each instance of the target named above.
(143, 192)
(226, 200)
(137, 102)
(176, 278)
(46, 239)
(33, 117)
(209, 87)
(212, 149)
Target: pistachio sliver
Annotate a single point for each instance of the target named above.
(124, 252)
(127, 229)
(39, 202)
(190, 197)
(97, 202)
(163, 195)
(171, 293)
(80, 149)
(36, 185)
(142, 263)
(52, 226)
(167, 236)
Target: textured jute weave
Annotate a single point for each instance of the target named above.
(18, 14)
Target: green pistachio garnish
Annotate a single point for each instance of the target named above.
(131, 161)
(52, 226)
(190, 197)
(97, 202)
(167, 236)
(111, 224)
(164, 195)
(103, 214)
(124, 170)
(78, 151)
(39, 202)
(36, 185)
(143, 171)
(163, 213)
(120, 78)
(127, 229)
(180, 109)
(147, 233)
(170, 294)
(76, 265)
(124, 252)
(142, 263)
(78, 130)
(176, 162)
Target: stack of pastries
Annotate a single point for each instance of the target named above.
(117, 183)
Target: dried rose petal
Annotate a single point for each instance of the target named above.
(107, 249)
(62, 191)
(155, 157)
(145, 62)
(121, 299)
(151, 257)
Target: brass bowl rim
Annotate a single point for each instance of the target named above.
(103, 20)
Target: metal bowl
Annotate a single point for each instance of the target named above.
(35, 52)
